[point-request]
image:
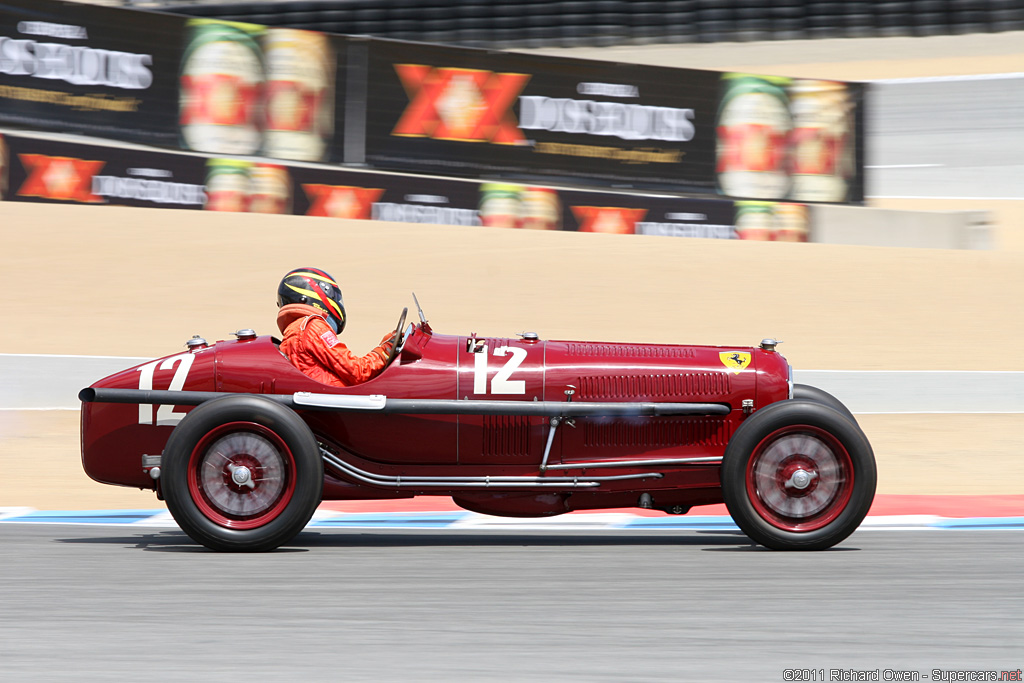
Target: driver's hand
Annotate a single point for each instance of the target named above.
(387, 344)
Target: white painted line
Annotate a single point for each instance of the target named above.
(899, 521)
(951, 79)
(939, 412)
(15, 512)
(908, 166)
(921, 391)
(162, 520)
(943, 197)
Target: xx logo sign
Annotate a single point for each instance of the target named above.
(468, 105)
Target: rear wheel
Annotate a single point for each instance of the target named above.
(242, 473)
(798, 475)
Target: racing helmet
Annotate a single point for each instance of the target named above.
(316, 288)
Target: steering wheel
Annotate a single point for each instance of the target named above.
(396, 348)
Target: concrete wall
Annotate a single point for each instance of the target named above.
(833, 224)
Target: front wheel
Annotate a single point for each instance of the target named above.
(242, 473)
(805, 392)
(798, 475)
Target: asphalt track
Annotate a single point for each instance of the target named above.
(115, 604)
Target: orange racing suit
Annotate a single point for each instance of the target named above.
(311, 345)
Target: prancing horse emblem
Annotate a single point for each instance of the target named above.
(737, 361)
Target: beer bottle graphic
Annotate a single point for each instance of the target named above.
(221, 88)
(299, 94)
(821, 141)
(753, 130)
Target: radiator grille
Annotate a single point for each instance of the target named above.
(629, 351)
(658, 432)
(632, 387)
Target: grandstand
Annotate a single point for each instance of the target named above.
(571, 23)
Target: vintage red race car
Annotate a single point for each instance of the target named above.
(243, 446)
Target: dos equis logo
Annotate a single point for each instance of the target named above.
(62, 178)
(467, 105)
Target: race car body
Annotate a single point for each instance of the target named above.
(243, 446)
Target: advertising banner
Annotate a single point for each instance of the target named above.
(784, 138)
(62, 173)
(97, 71)
(234, 89)
(169, 81)
(251, 90)
(39, 170)
(483, 113)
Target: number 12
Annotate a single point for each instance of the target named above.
(501, 384)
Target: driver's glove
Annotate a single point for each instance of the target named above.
(386, 345)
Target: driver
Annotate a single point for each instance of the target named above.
(311, 316)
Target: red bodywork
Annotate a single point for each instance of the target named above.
(115, 436)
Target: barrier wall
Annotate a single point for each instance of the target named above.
(892, 228)
(245, 89)
(60, 172)
(34, 169)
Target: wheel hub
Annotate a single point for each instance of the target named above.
(800, 479)
(241, 475)
(796, 478)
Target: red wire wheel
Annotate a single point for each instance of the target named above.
(241, 475)
(798, 475)
(800, 479)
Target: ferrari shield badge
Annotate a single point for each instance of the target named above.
(736, 361)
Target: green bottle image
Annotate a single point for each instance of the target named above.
(221, 85)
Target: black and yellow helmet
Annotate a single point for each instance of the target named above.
(316, 288)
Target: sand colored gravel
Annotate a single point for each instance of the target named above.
(140, 282)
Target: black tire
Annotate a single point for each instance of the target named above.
(776, 505)
(805, 392)
(264, 486)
